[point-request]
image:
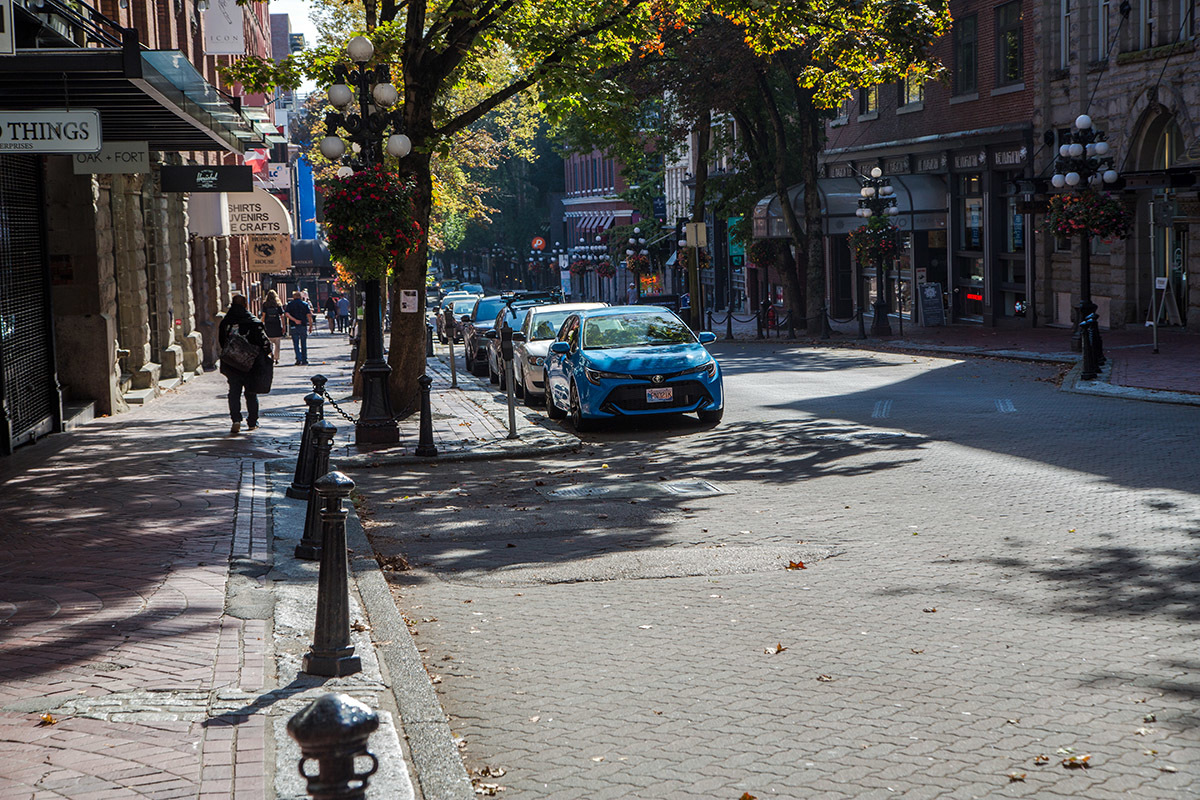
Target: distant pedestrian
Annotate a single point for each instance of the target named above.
(272, 318)
(631, 294)
(300, 318)
(331, 305)
(343, 314)
(249, 326)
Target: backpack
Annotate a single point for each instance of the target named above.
(239, 353)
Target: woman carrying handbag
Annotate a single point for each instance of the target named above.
(272, 317)
(245, 362)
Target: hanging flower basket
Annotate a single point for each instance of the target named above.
(702, 259)
(1088, 213)
(763, 252)
(605, 269)
(874, 241)
(371, 222)
(638, 264)
(580, 266)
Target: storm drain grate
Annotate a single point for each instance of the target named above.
(693, 487)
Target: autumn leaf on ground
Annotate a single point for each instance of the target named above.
(930, 610)
(1076, 762)
(748, 796)
(1039, 760)
(796, 565)
(779, 648)
(1013, 777)
(490, 772)
(357, 625)
(915, 651)
(824, 678)
(48, 719)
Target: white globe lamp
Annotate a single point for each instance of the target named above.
(876, 172)
(1110, 176)
(385, 94)
(1083, 122)
(360, 49)
(340, 95)
(1101, 148)
(1058, 181)
(399, 145)
(1072, 178)
(332, 147)
(1076, 150)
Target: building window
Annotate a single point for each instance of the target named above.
(868, 101)
(1102, 9)
(1064, 34)
(1009, 44)
(912, 90)
(966, 56)
(1145, 27)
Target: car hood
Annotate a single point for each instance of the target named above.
(482, 325)
(648, 360)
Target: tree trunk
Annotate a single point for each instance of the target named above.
(703, 141)
(812, 129)
(406, 358)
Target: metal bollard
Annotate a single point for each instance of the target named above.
(450, 343)
(825, 329)
(331, 653)
(428, 340)
(309, 547)
(425, 445)
(758, 320)
(333, 730)
(507, 353)
(1088, 336)
(316, 411)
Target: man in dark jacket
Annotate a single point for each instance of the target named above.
(238, 316)
(299, 314)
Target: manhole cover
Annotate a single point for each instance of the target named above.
(693, 487)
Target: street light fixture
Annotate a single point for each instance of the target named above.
(377, 422)
(1084, 161)
(878, 198)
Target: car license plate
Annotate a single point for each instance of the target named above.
(663, 394)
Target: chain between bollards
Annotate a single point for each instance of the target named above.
(332, 654)
(425, 445)
(333, 730)
(304, 470)
(309, 547)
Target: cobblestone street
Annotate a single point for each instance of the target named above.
(993, 572)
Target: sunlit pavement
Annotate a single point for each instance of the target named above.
(993, 571)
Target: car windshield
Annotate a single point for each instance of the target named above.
(463, 304)
(546, 324)
(488, 308)
(634, 330)
(474, 288)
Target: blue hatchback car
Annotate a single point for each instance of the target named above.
(631, 361)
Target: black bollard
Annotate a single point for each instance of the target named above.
(758, 320)
(331, 653)
(425, 446)
(825, 329)
(729, 321)
(309, 547)
(316, 411)
(1088, 336)
(333, 730)
(428, 340)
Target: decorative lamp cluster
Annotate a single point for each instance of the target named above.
(1083, 158)
(877, 196)
(372, 85)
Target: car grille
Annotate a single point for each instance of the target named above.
(633, 398)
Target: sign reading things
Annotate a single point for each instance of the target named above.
(50, 131)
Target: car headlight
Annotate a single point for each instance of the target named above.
(710, 369)
(536, 361)
(595, 375)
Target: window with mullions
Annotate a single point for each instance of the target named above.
(1102, 13)
(912, 90)
(1009, 45)
(1064, 33)
(966, 55)
(868, 101)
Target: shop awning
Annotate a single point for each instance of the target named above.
(921, 199)
(155, 96)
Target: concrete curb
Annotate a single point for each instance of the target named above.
(1102, 388)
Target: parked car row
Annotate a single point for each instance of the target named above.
(593, 362)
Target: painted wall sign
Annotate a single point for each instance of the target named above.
(50, 131)
(1008, 158)
(896, 166)
(7, 40)
(968, 160)
(844, 170)
(931, 163)
(257, 211)
(114, 158)
(224, 29)
(269, 252)
(196, 178)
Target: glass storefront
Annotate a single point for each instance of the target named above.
(968, 257)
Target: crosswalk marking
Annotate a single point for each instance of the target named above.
(1005, 406)
(883, 408)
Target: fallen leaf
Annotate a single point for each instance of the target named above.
(748, 796)
(1143, 731)
(779, 648)
(824, 678)
(1076, 762)
(1168, 768)
(1013, 777)
(604, 466)
(658, 713)
(357, 626)
(1072, 530)
(435, 679)
(491, 772)
(645, 627)
(597, 758)
(796, 565)
(539, 483)
(1149, 718)
(534, 719)
(1149, 752)
(1039, 760)
(1064, 751)
(929, 610)
(48, 719)
(915, 652)
(1014, 721)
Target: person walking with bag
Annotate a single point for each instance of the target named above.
(300, 317)
(272, 319)
(244, 346)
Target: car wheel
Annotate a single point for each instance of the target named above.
(479, 369)
(534, 400)
(553, 411)
(579, 422)
(519, 386)
(711, 417)
(494, 376)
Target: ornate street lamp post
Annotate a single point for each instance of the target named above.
(1083, 163)
(878, 198)
(376, 423)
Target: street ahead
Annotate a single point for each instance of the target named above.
(994, 571)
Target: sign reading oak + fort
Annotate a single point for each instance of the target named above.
(50, 131)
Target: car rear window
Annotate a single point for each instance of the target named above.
(488, 309)
(634, 330)
(547, 323)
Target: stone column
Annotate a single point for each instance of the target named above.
(183, 299)
(132, 289)
(159, 254)
(205, 290)
(224, 274)
(80, 248)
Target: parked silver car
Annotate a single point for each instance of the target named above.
(531, 348)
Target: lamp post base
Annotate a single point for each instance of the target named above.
(1082, 311)
(880, 324)
(376, 424)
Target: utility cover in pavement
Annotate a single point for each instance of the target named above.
(693, 487)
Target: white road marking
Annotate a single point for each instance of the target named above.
(883, 409)
(1005, 406)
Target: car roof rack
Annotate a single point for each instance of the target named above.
(523, 295)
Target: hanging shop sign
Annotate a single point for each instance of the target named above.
(50, 131)
(257, 211)
(206, 179)
(224, 29)
(7, 41)
(269, 252)
(114, 158)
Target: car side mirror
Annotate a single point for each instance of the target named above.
(518, 336)
(560, 348)
(492, 334)
(706, 337)
(465, 318)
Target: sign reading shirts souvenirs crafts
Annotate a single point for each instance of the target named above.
(257, 212)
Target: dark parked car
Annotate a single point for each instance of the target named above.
(515, 316)
(474, 324)
(459, 305)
